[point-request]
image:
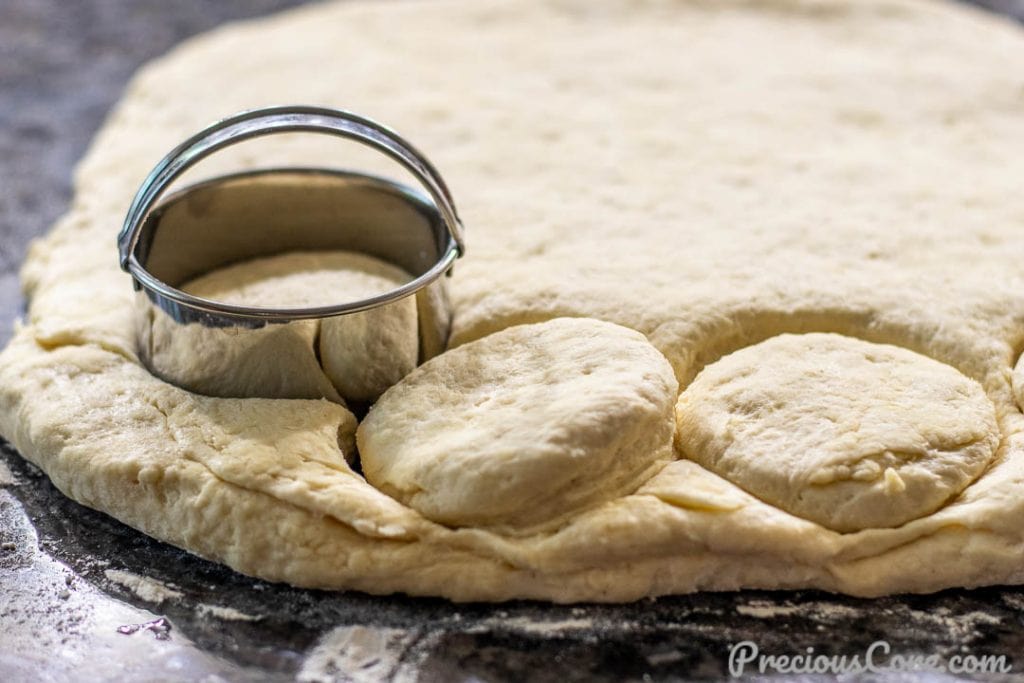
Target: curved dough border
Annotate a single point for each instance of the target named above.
(723, 184)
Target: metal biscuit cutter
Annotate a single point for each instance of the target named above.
(165, 242)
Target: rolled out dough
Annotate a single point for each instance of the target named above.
(710, 174)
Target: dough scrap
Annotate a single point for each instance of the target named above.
(353, 357)
(853, 169)
(525, 427)
(846, 433)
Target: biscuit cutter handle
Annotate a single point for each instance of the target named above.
(289, 119)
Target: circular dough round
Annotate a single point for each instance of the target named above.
(355, 356)
(524, 426)
(841, 431)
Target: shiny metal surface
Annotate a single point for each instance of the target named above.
(195, 342)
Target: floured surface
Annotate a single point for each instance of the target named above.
(6, 478)
(146, 588)
(707, 197)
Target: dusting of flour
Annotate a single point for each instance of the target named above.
(144, 587)
(6, 476)
(526, 625)
(964, 625)
(360, 654)
(765, 609)
(367, 653)
(225, 613)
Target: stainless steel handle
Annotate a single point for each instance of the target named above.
(270, 121)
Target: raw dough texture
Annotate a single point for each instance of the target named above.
(709, 174)
(846, 433)
(524, 427)
(355, 356)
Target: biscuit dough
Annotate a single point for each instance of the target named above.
(352, 357)
(709, 174)
(525, 426)
(849, 434)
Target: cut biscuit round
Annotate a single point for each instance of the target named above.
(525, 426)
(843, 432)
(352, 357)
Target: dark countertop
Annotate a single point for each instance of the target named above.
(82, 597)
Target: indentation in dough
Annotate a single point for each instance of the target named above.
(523, 427)
(352, 357)
(689, 486)
(844, 432)
(1017, 382)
